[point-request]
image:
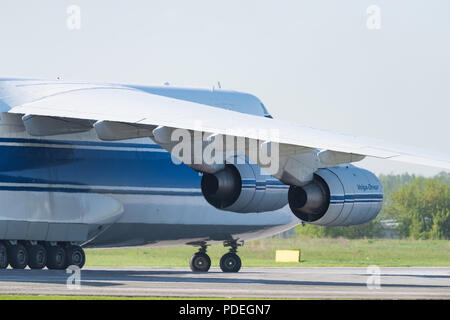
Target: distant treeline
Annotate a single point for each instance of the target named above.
(414, 207)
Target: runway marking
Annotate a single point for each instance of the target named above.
(304, 283)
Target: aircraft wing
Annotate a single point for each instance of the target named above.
(115, 109)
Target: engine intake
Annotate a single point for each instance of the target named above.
(243, 188)
(338, 196)
(223, 188)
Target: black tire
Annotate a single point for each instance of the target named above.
(17, 256)
(3, 256)
(37, 256)
(75, 256)
(56, 257)
(230, 262)
(200, 262)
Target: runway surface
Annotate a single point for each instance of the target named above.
(297, 283)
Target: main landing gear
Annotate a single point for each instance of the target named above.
(230, 262)
(20, 254)
(200, 261)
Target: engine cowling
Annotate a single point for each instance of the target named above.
(242, 188)
(338, 196)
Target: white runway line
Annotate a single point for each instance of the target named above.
(296, 283)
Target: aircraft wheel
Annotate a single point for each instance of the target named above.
(37, 256)
(75, 256)
(230, 262)
(3, 256)
(17, 256)
(56, 257)
(200, 262)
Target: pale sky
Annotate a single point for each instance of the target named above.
(312, 62)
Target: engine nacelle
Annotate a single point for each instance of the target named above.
(242, 188)
(338, 196)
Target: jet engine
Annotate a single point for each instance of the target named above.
(243, 188)
(338, 196)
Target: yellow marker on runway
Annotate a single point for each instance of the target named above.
(287, 256)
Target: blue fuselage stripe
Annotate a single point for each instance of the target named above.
(100, 191)
(109, 167)
(80, 166)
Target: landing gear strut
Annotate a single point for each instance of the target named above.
(56, 257)
(75, 256)
(37, 256)
(17, 255)
(200, 261)
(230, 262)
(3, 256)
